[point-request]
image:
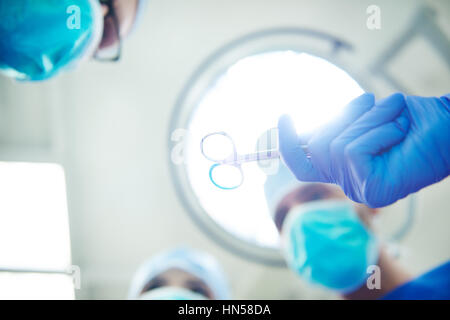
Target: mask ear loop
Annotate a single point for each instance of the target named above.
(111, 14)
(138, 16)
(97, 31)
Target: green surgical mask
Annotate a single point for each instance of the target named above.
(326, 243)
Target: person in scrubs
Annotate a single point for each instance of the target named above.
(39, 39)
(180, 274)
(329, 241)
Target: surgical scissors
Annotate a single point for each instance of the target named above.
(234, 159)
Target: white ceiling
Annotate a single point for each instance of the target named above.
(108, 125)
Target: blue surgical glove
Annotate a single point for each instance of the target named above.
(378, 152)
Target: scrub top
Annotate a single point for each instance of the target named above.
(433, 285)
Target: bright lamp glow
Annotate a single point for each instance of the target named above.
(246, 101)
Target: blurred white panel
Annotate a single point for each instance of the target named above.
(32, 286)
(34, 230)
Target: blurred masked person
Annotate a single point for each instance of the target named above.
(179, 274)
(39, 39)
(328, 241)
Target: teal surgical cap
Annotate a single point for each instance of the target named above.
(39, 38)
(279, 185)
(197, 263)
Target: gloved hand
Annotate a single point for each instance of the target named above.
(377, 153)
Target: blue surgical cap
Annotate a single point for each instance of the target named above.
(279, 185)
(199, 264)
(39, 38)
